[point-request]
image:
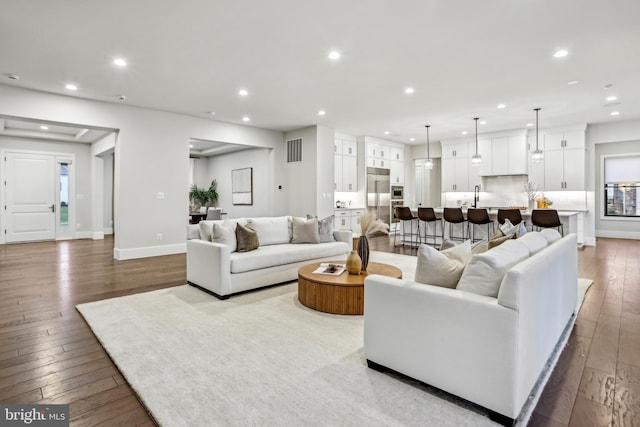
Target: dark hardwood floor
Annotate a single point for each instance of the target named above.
(49, 355)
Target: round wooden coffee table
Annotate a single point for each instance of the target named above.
(342, 294)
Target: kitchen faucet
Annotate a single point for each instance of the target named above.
(476, 195)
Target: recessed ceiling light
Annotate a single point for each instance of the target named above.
(502, 106)
(211, 113)
(43, 127)
(608, 85)
(122, 97)
(14, 76)
(409, 90)
(573, 82)
(561, 53)
(243, 92)
(335, 55)
(322, 113)
(615, 113)
(412, 139)
(611, 98)
(386, 132)
(529, 125)
(190, 145)
(246, 119)
(71, 86)
(464, 132)
(483, 122)
(120, 62)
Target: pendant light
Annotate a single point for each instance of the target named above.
(537, 156)
(476, 159)
(428, 163)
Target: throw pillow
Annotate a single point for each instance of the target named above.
(507, 227)
(206, 230)
(484, 272)
(225, 233)
(479, 247)
(305, 230)
(446, 244)
(247, 238)
(500, 240)
(442, 268)
(325, 228)
(521, 230)
(271, 230)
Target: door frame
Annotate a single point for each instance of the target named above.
(59, 157)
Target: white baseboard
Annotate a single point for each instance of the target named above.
(634, 235)
(108, 230)
(97, 235)
(149, 251)
(589, 241)
(83, 235)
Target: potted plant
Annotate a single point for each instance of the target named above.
(199, 197)
(213, 193)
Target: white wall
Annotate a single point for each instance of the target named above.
(261, 160)
(299, 179)
(151, 156)
(82, 173)
(603, 139)
(325, 172)
(107, 193)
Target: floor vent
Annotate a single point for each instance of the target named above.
(294, 150)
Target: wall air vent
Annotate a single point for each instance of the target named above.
(294, 150)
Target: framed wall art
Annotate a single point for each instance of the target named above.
(242, 186)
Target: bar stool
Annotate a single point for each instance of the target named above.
(403, 213)
(453, 216)
(546, 218)
(429, 215)
(478, 217)
(514, 216)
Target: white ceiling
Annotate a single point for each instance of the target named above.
(463, 57)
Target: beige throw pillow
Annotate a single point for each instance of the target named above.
(225, 233)
(500, 240)
(305, 230)
(247, 238)
(442, 268)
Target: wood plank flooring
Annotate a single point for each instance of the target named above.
(49, 355)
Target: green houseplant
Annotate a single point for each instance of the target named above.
(201, 197)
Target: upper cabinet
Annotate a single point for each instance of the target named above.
(346, 165)
(386, 155)
(457, 172)
(503, 154)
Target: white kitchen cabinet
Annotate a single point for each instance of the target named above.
(484, 149)
(503, 155)
(455, 174)
(499, 156)
(396, 172)
(456, 150)
(397, 154)
(560, 139)
(348, 219)
(345, 164)
(564, 169)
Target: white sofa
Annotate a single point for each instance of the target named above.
(214, 268)
(487, 350)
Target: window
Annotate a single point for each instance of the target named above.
(622, 186)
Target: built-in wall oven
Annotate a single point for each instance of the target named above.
(397, 192)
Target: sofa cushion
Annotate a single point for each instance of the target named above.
(224, 232)
(305, 230)
(274, 255)
(534, 241)
(442, 268)
(500, 240)
(476, 248)
(325, 229)
(271, 230)
(206, 227)
(551, 235)
(484, 272)
(247, 238)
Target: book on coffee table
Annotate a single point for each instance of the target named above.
(330, 269)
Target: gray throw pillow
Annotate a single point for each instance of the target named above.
(325, 228)
(305, 230)
(246, 238)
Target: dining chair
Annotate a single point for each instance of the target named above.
(403, 213)
(214, 213)
(428, 215)
(453, 216)
(478, 216)
(546, 218)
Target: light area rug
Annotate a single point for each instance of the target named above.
(261, 358)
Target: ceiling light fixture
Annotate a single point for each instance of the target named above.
(464, 132)
(120, 62)
(412, 139)
(243, 92)
(428, 163)
(246, 119)
(71, 86)
(476, 159)
(211, 113)
(615, 113)
(611, 98)
(483, 122)
(322, 113)
(409, 90)
(43, 127)
(573, 82)
(14, 76)
(190, 145)
(501, 106)
(561, 53)
(386, 132)
(334, 55)
(537, 156)
(529, 125)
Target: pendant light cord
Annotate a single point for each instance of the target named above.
(427, 126)
(536, 110)
(476, 119)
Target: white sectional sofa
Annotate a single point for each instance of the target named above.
(488, 350)
(217, 269)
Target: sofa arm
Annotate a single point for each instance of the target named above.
(209, 266)
(344, 236)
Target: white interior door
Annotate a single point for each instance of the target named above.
(30, 190)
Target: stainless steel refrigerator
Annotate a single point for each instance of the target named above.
(379, 193)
